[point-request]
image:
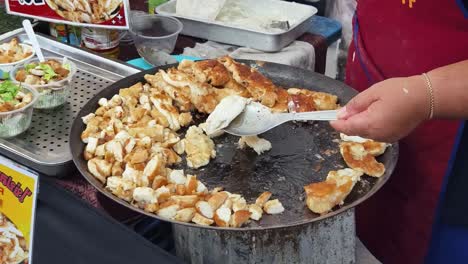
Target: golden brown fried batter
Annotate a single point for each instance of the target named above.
(322, 101)
(358, 158)
(260, 87)
(323, 196)
(212, 72)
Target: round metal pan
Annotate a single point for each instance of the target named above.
(302, 153)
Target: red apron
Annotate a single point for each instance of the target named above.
(394, 38)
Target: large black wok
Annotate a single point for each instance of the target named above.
(302, 153)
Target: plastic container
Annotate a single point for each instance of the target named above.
(5, 68)
(155, 36)
(54, 94)
(15, 122)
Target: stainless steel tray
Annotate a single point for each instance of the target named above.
(44, 146)
(218, 31)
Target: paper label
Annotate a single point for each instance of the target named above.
(90, 13)
(18, 192)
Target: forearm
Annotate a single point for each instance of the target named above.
(450, 85)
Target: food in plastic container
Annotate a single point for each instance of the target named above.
(52, 79)
(11, 54)
(16, 108)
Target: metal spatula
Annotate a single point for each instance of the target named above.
(257, 118)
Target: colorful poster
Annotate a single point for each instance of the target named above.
(89, 13)
(18, 191)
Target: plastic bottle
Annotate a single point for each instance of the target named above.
(152, 4)
(103, 41)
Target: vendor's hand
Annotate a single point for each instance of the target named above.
(387, 111)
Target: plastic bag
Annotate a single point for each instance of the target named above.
(202, 9)
(343, 11)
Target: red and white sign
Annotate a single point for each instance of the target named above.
(89, 13)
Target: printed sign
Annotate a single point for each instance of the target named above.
(18, 191)
(91, 13)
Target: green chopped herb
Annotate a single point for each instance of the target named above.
(49, 73)
(8, 91)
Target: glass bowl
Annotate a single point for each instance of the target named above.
(13, 123)
(54, 94)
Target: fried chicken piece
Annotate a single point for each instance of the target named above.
(239, 218)
(132, 91)
(185, 215)
(169, 212)
(259, 145)
(273, 207)
(153, 168)
(185, 200)
(260, 87)
(256, 212)
(282, 101)
(202, 95)
(298, 103)
(224, 113)
(199, 147)
(323, 196)
(121, 187)
(239, 204)
(99, 168)
(358, 158)
(191, 184)
(373, 147)
(186, 66)
(180, 95)
(322, 101)
(217, 199)
(201, 220)
(205, 209)
(263, 198)
(222, 217)
(163, 104)
(144, 195)
(212, 72)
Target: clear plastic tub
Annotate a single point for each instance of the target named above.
(5, 68)
(54, 94)
(15, 122)
(155, 36)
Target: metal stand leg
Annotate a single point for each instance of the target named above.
(331, 241)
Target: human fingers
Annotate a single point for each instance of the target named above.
(358, 104)
(356, 125)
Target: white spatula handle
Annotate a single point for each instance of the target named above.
(32, 37)
(328, 115)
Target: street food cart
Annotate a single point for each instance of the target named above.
(302, 153)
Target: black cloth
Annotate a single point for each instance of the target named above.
(67, 230)
(454, 207)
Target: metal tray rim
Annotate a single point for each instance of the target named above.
(85, 59)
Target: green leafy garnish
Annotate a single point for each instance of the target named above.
(66, 66)
(8, 91)
(49, 73)
(30, 66)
